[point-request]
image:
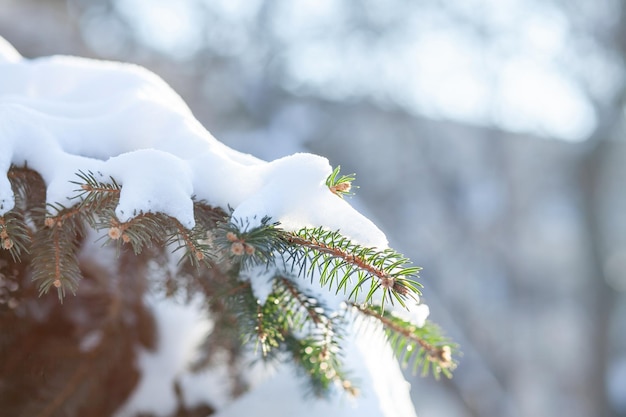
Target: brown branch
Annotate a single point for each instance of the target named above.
(57, 258)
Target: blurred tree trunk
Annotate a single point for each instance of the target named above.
(601, 300)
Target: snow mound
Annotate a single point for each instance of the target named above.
(7, 52)
(64, 115)
(60, 115)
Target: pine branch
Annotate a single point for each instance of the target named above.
(290, 321)
(246, 246)
(321, 365)
(97, 199)
(29, 191)
(294, 322)
(425, 346)
(258, 323)
(196, 248)
(338, 260)
(301, 309)
(55, 246)
(15, 236)
(319, 352)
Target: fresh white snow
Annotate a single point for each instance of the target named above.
(60, 115)
(63, 114)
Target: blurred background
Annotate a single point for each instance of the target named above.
(488, 141)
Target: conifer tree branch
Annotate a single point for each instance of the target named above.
(247, 246)
(312, 310)
(425, 346)
(319, 351)
(55, 264)
(338, 259)
(289, 320)
(15, 236)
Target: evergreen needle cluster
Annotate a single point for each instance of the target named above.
(216, 258)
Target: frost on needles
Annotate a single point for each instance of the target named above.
(286, 269)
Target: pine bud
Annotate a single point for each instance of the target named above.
(350, 389)
(7, 244)
(237, 248)
(49, 222)
(445, 356)
(199, 255)
(57, 283)
(115, 233)
(342, 187)
(231, 237)
(387, 281)
(249, 249)
(125, 238)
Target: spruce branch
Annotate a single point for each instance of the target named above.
(97, 199)
(342, 264)
(199, 241)
(29, 192)
(425, 347)
(139, 232)
(321, 364)
(248, 246)
(55, 246)
(193, 242)
(15, 236)
(260, 324)
(339, 260)
(299, 307)
(92, 190)
(319, 352)
(291, 321)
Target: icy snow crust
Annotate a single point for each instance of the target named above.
(61, 115)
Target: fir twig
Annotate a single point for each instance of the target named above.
(14, 234)
(338, 259)
(248, 246)
(425, 346)
(98, 199)
(193, 242)
(319, 352)
(55, 245)
(258, 323)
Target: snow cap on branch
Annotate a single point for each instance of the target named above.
(61, 115)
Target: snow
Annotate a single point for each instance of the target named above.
(7, 52)
(417, 314)
(181, 329)
(383, 390)
(61, 115)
